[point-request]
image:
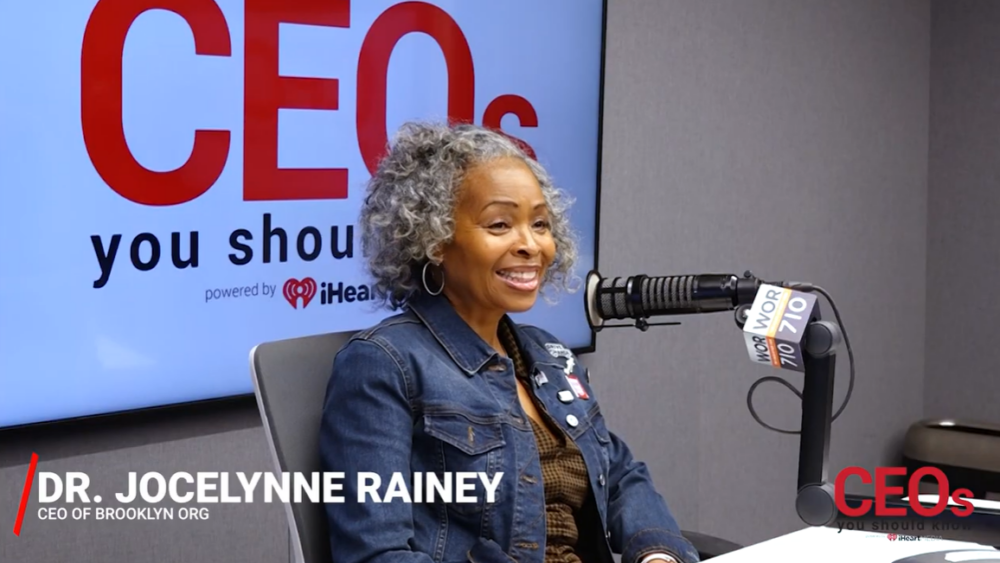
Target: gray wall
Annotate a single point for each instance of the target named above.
(790, 137)
(963, 262)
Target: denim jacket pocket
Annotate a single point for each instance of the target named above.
(470, 444)
(472, 434)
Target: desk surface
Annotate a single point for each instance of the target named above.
(821, 545)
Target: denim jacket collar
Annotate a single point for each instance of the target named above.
(462, 343)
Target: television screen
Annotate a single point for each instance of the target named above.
(181, 179)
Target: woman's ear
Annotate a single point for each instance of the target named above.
(438, 252)
(436, 255)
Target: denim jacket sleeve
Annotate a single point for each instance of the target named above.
(638, 517)
(367, 425)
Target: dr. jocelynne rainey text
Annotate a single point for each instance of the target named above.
(240, 487)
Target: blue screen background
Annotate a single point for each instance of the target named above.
(150, 338)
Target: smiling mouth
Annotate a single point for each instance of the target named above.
(519, 279)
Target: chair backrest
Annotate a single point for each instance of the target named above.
(290, 379)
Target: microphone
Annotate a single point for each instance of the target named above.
(640, 297)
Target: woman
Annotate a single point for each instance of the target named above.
(461, 228)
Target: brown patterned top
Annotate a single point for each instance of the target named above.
(564, 473)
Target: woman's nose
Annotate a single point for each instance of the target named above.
(528, 245)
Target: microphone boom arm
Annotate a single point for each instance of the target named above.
(816, 500)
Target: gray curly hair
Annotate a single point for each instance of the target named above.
(408, 213)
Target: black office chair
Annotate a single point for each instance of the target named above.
(290, 378)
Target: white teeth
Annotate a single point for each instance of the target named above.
(519, 276)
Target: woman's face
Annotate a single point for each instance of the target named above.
(503, 244)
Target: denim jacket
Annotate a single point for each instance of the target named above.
(421, 392)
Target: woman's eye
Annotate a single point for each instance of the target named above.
(503, 225)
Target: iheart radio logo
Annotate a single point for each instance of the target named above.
(294, 290)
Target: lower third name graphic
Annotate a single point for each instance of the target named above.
(211, 487)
